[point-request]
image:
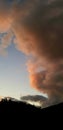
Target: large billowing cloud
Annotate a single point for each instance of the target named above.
(50, 83)
(38, 28)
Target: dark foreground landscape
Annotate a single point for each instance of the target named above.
(21, 107)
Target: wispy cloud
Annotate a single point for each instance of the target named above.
(36, 100)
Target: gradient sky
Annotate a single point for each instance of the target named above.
(14, 77)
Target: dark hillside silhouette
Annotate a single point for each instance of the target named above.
(21, 107)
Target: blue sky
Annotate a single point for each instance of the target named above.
(14, 77)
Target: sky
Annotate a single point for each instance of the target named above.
(14, 77)
(31, 50)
